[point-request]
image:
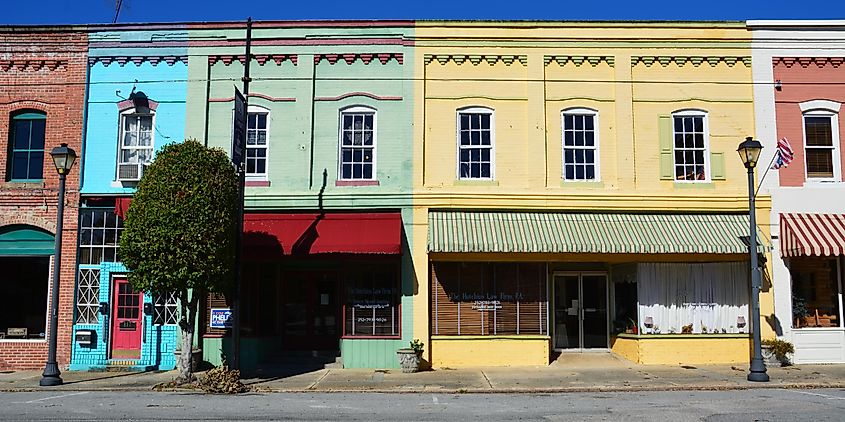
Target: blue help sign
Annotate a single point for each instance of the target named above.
(221, 318)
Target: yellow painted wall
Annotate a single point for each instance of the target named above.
(528, 73)
(466, 351)
(681, 349)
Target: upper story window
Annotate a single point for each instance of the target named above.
(475, 143)
(357, 144)
(690, 131)
(99, 235)
(821, 145)
(136, 144)
(26, 146)
(580, 144)
(256, 142)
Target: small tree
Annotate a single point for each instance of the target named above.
(179, 234)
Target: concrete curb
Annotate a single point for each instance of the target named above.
(557, 390)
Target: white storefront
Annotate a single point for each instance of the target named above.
(808, 263)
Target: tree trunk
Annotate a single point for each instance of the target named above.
(186, 324)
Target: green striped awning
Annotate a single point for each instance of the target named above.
(562, 232)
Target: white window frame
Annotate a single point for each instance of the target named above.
(580, 111)
(121, 132)
(459, 147)
(165, 305)
(255, 109)
(88, 286)
(357, 109)
(830, 110)
(706, 128)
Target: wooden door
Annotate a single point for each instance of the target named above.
(126, 326)
(311, 311)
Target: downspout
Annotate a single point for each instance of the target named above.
(313, 111)
(207, 102)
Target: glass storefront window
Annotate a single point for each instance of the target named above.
(481, 298)
(816, 292)
(372, 304)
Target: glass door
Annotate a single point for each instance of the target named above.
(594, 321)
(580, 311)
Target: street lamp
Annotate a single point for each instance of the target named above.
(63, 158)
(749, 152)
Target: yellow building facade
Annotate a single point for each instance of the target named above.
(576, 188)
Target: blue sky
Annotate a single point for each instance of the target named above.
(102, 11)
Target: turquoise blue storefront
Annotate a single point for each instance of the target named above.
(135, 104)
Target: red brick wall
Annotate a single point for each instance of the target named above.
(805, 79)
(43, 70)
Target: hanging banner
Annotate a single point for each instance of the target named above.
(239, 130)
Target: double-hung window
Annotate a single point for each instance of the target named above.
(821, 140)
(691, 146)
(136, 144)
(357, 144)
(580, 145)
(475, 143)
(27, 146)
(256, 143)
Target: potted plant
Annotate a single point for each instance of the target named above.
(409, 357)
(776, 351)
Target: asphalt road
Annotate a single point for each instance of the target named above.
(747, 405)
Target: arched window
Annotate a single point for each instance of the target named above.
(357, 144)
(26, 146)
(580, 144)
(476, 141)
(691, 143)
(821, 140)
(136, 143)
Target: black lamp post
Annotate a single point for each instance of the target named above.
(749, 152)
(63, 158)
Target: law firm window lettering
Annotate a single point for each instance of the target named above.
(475, 144)
(580, 145)
(691, 146)
(357, 144)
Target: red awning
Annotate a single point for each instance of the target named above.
(812, 234)
(121, 205)
(273, 235)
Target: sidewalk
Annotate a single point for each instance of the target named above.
(569, 374)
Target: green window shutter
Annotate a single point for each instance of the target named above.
(717, 166)
(667, 161)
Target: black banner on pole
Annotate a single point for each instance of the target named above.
(239, 132)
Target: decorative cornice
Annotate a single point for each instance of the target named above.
(358, 94)
(696, 61)
(579, 60)
(137, 60)
(32, 64)
(350, 58)
(261, 59)
(807, 61)
(255, 95)
(476, 59)
(127, 104)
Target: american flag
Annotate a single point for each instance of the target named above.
(783, 155)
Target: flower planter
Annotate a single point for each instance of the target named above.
(409, 360)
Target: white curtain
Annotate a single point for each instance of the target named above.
(711, 296)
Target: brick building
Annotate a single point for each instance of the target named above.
(42, 90)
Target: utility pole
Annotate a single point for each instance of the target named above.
(236, 299)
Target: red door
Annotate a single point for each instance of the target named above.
(126, 321)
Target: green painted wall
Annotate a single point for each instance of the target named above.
(304, 101)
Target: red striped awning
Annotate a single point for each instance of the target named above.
(812, 234)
